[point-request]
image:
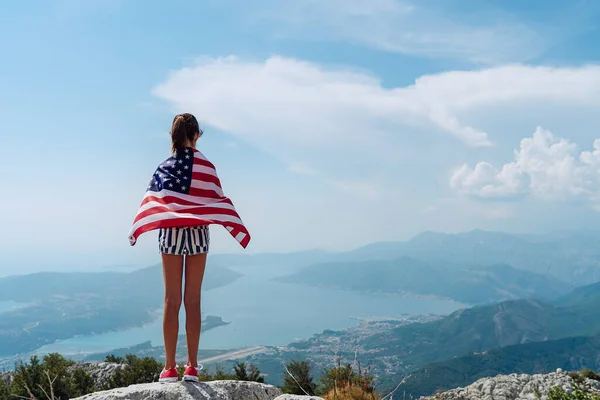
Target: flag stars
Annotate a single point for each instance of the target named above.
(179, 172)
(180, 161)
(183, 187)
(186, 167)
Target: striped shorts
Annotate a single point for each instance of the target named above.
(191, 240)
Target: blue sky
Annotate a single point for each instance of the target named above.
(332, 123)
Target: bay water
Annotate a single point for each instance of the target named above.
(262, 311)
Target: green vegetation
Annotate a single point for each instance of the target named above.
(244, 373)
(341, 382)
(4, 390)
(135, 370)
(345, 377)
(301, 380)
(586, 373)
(543, 357)
(144, 370)
(558, 393)
(52, 377)
(55, 377)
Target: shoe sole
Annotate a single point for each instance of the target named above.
(190, 378)
(167, 380)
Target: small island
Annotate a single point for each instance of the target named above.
(146, 349)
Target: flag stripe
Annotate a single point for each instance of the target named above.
(201, 160)
(195, 210)
(177, 207)
(168, 197)
(207, 193)
(168, 220)
(203, 169)
(201, 177)
(197, 183)
(169, 202)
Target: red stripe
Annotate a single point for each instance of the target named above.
(177, 200)
(206, 163)
(209, 194)
(244, 242)
(200, 176)
(201, 210)
(173, 222)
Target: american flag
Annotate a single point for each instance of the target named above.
(185, 191)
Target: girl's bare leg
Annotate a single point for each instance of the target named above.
(194, 275)
(172, 273)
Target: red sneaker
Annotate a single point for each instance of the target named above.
(191, 373)
(169, 375)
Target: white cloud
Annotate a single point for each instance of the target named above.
(426, 28)
(545, 167)
(302, 111)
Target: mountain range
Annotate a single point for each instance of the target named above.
(471, 285)
(571, 257)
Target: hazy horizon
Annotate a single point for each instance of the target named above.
(98, 265)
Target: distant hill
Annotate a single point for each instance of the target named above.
(572, 257)
(582, 296)
(483, 328)
(570, 354)
(64, 305)
(409, 276)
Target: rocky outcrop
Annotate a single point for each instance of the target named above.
(296, 397)
(515, 387)
(217, 390)
(6, 377)
(100, 372)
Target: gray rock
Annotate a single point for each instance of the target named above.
(6, 377)
(514, 387)
(100, 372)
(296, 397)
(217, 390)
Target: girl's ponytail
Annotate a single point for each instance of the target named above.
(184, 130)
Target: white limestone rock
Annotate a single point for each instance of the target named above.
(217, 390)
(514, 387)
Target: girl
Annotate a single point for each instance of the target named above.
(183, 198)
